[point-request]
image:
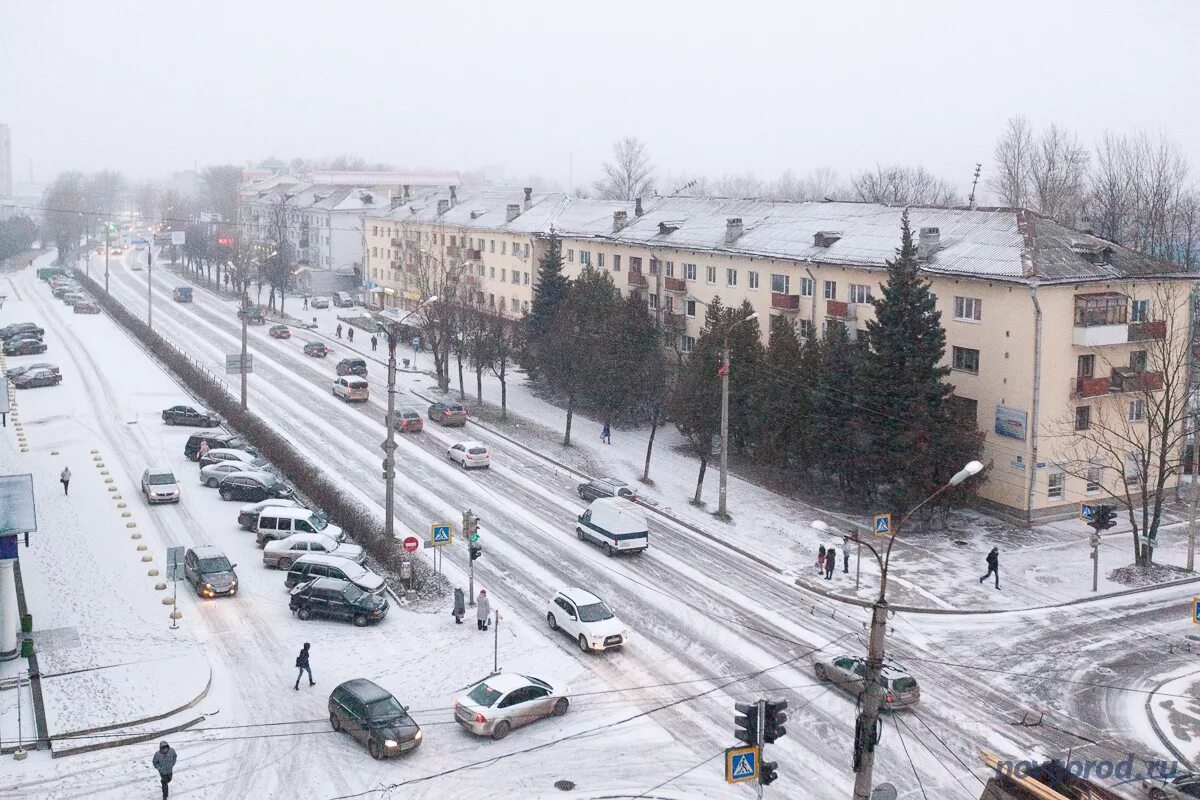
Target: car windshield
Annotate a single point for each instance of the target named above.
(904, 684)
(387, 709)
(162, 479)
(260, 463)
(216, 564)
(318, 522)
(484, 695)
(352, 593)
(266, 479)
(596, 612)
(455, 408)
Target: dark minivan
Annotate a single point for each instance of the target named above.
(352, 366)
(330, 597)
(370, 714)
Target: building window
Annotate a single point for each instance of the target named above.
(752, 279)
(968, 309)
(1137, 410)
(966, 360)
(670, 269)
(1085, 367)
(1083, 418)
(585, 257)
(689, 272)
(516, 277)
(1057, 481)
(687, 344)
(503, 274)
(492, 273)
(526, 278)
(453, 240)
(1133, 469)
(710, 275)
(831, 290)
(1141, 311)
(635, 264)
(491, 299)
(653, 301)
(600, 260)
(503, 247)
(516, 304)
(780, 284)
(616, 262)
(689, 307)
(570, 256)
(1137, 360)
(806, 286)
(374, 230)
(526, 249)
(731, 277)
(860, 293)
(375, 251)
(491, 245)
(805, 329)
(1093, 480)
(1101, 309)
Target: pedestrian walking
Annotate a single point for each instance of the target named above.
(830, 563)
(203, 450)
(302, 665)
(845, 554)
(820, 559)
(374, 343)
(306, 302)
(339, 330)
(64, 478)
(164, 762)
(993, 565)
(606, 434)
(460, 605)
(483, 610)
(350, 333)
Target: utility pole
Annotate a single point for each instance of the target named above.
(150, 286)
(245, 342)
(389, 444)
(1191, 554)
(722, 506)
(107, 240)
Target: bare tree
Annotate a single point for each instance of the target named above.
(435, 268)
(745, 185)
(276, 269)
(898, 185)
(630, 174)
(818, 184)
(1129, 442)
(1010, 173)
(1057, 175)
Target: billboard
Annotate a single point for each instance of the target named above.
(1011, 422)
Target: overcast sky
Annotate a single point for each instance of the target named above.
(713, 88)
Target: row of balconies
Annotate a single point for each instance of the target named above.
(1121, 380)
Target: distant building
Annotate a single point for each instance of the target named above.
(6, 162)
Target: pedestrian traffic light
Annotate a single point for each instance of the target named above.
(773, 719)
(475, 549)
(746, 722)
(767, 773)
(1106, 517)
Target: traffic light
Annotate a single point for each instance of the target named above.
(1106, 517)
(767, 773)
(773, 721)
(746, 722)
(476, 550)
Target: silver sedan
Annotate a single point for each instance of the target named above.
(502, 702)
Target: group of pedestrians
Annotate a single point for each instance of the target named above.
(827, 559)
(483, 608)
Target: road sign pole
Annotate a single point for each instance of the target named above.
(468, 529)
(858, 564)
(1095, 561)
(496, 646)
(245, 344)
(1191, 554)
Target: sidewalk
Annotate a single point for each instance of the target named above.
(1173, 709)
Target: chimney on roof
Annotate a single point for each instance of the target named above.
(930, 242)
(396, 202)
(407, 191)
(637, 207)
(826, 238)
(512, 211)
(443, 207)
(453, 196)
(474, 215)
(619, 219)
(528, 198)
(733, 229)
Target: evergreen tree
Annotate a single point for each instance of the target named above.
(576, 348)
(745, 375)
(837, 419)
(783, 403)
(916, 444)
(695, 403)
(549, 296)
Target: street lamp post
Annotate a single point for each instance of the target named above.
(722, 508)
(866, 727)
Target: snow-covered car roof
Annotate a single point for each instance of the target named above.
(287, 542)
(472, 443)
(580, 597)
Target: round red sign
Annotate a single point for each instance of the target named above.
(411, 544)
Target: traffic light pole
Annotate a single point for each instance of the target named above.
(468, 530)
(1095, 561)
(762, 729)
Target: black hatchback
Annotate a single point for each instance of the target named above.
(352, 366)
(251, 487)
(190, 415)
(371, 715)
(215, 439)
(337, 599)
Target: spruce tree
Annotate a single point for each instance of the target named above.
(549, 297)
(782, 401)
(695, 405)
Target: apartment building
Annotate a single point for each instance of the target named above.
(1046, 327)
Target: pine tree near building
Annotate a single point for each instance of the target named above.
(836, 384)
(695, 403)
(784, 406)
(550, 295)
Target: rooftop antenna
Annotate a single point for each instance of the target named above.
(974, 183)
(687, 185)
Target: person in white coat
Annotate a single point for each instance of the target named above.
(845, 554)
(483, 610)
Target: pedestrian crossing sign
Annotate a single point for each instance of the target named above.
(883, 525)
(441, 533)
(741, 764)
(1087, 512)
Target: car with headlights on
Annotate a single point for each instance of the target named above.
(371, 715)
(209, 572)
(160, 486)
(407, 420)
(282, 552)
(497, 704)
(280, 332)
(448, 414)
(316, 349)
(587, 619)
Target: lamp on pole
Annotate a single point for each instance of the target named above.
(866, 727)
(722, 508)
(391, 329)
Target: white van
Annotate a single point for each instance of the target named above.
(343, 299)
(278, 522)
(616, 524)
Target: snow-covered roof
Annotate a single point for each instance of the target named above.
(18, 511)
(429, 178)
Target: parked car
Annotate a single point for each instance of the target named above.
(329, 597)
(211, 475)
(248, 514)
(1185, 786)
(605, 487)
(321, 565)
(614, 523)
(849, 673)
(15, 371)
(352, 366)
(470, 455)
(407, 420)
(448, 414)
(352, 388)
(496, 705)
(182, 294)
(87, 307)
(343, 300)
(209, 572)
(66, 287)
(191, 449)
(587, 619)
(37, 377)
(24, 347)
(160, 486)
(319, 302)
(281, 553)
(280, 523)
(316, 349)
(252, 314)
(71, 298)
(374, 717)
(9, 331)
(190, 415)
(280, 332)
(253, 486)
(219, 454)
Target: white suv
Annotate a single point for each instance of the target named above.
(587, 619)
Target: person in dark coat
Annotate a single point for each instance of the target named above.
(302, 664)
(460, 606)
(306, 302)
(606, 434)
(993, 565)
(483, 609)
(350, 333)
(164, 762)
(374, 343)
(820, 559)
(339, 330)
(65, 478)
(830, 563)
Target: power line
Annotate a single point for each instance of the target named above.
(916, 775)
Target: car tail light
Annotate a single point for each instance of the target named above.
(889, 697)
(480, 718)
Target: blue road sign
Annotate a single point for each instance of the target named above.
(1196, 610)
(883, 525)
(741, 764)
(415, 343)
(441, 533)
(1087, 512)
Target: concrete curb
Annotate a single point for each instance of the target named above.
(115, 742)
(1158, 731)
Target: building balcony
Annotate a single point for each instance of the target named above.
(636, 279)
(1100, 335)
(785, 302)
(1121, 380)
(395, 241)
(473, 255)
(676, 285)
(1101, 319)
(839, 310)
(1147, 331)
(674, 320)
